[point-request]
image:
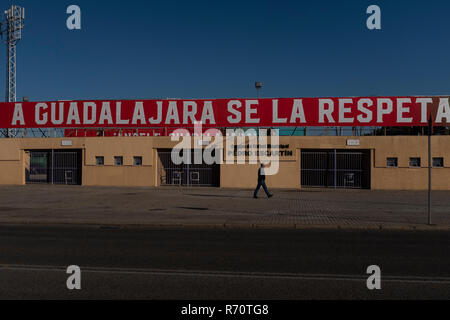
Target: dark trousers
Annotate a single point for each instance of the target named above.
(261, 184)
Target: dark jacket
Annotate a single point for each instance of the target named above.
(261, 176)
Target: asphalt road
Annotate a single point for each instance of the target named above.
(221, 263)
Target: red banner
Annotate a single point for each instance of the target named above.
(222, 113)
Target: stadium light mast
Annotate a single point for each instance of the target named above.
(12, 27)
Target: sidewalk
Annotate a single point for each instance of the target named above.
(209, 207)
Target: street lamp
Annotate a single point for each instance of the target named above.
(258, 86)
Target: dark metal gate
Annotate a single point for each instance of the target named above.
(203, 175)
(336, 169)
(54, 167)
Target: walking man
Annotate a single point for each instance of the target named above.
(262, 182)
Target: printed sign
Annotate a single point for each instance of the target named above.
(225, 113)
(353, 143)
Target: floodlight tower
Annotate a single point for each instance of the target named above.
(13, 21)
(12, 27)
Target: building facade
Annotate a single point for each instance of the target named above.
(366, 162)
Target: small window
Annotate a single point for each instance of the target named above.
(137, 161)
(392, 162)
(414, 162)
(99, 161)
(118, 161)
(438, 162)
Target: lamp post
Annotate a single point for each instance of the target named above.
(258, 86)
(430, 132)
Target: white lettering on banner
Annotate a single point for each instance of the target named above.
(172, 113)
(275, 118)
(362, 107)
(424, 108)
(208, 113)
(233, 113)
(139, 114)
(18, 115)
(118, 114)
(60, 120)
(233, 105)
(401, 110)
(105, 114)
(250, 109)
(326, 112)
(41, 120)
(158, 119)
(89, 107)
(298, 112)
(343, 110)
(189, 112)
(443, 110)
(383, 111)
(73, 114)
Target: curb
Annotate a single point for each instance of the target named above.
(231, 226)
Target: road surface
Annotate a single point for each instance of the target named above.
(188, 263)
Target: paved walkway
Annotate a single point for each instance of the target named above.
(172, 206)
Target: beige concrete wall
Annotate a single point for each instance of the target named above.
(118, 176)
(402, 147)
(13, 161)
(12, 170)
(111, 175)
(404, 177)
(238, 176)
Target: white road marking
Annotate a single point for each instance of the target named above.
(228, 274)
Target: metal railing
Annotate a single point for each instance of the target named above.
(335, 169)
(54, 167)
(186, 174)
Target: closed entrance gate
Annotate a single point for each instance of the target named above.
(186, 174)
(336, 169)
(54, 167)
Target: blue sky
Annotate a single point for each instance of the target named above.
(218, 49)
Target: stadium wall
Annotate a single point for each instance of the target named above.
(14, 161)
